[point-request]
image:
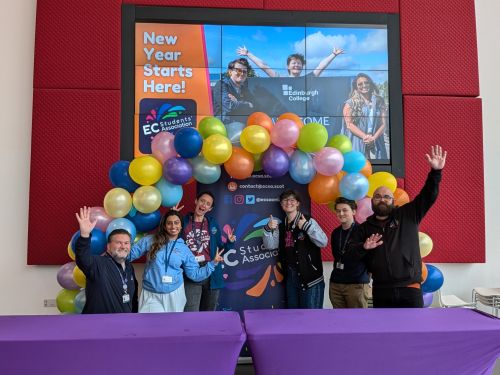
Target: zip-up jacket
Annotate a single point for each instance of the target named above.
(308, 242)
(397, 262)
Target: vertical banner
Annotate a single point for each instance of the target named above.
(172, 85)
(252, 274)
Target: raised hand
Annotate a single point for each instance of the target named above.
(218, 258)
(301, 221)
(230, 235)
(242, 51)
(373, 241)
(273, 223)
(437, 159)
(337, 51)
(177, 207)
(83, 219)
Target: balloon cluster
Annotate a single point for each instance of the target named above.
(432, 277)
(140, 187)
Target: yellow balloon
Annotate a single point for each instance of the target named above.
(145, 170)
(147, 199)
(255, 139)
(65, 301)
(379, 179)
(79, 277)
(117, 202)
(71, 253)
(217, 149)
(425, 243)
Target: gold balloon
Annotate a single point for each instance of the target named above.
(117, 202)
(379, 179)
(71, 253)
(145, 170)
(255, 139)
(79, 277)
(147, 199)
(217, 149)
(425, 243)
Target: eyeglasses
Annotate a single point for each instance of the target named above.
(289, 200)
(386, 197)
(240, 72)
(363, 83)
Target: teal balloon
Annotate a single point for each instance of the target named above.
(234, 130)
(301, 167)
(79, 301)
(170, 194)
(354, 186)
(354, 161)
(204, 171)
(122, 223)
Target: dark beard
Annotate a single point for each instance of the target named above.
(382, 209)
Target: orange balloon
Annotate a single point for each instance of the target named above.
(425, 272)
(400, 197)
(367, 169)
(324, 189)
(261, 119)
(293, 117)
(240, 165)
(341, 175)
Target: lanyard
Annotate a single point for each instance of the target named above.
(342, 248)
(167, 258)
(124, 280)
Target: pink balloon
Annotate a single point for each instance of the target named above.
(103, 219)
(285, 133)
(364, 210)
(162, 146)
(328, 161)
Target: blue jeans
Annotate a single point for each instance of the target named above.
(297, 298)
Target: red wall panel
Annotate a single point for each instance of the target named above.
(438, 48)
(77, 44)
(456, 222)
(380, 6)
(251, 4)
(75, 139)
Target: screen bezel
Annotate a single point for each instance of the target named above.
(131, 14)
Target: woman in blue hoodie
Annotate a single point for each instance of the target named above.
(167, 258)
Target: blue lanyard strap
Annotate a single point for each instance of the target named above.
(168, 255)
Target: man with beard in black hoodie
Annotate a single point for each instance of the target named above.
(388, 240)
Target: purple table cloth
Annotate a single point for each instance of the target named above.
(373, 341)
(175, 343)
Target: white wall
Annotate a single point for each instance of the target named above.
(23, 288)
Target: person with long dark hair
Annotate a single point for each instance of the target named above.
(168, 258)
(365, 117)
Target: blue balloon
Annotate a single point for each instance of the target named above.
(434, 281)
(204, 171)
(119, 177)
(122, 223)
(301, 167)
(145, 222)
(79, 301)
(354, 186)
(188, 142)
(354, 161)
(97, 241)
(428, 297)
(170, 194)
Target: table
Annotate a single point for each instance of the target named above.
(373, 341)
(174, 343)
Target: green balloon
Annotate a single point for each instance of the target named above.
(340, 142)
(211, 125)
(312, 137)
(65, 301)
(257, 158)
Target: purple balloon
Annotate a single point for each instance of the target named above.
(275, 162)
(65, 276)
(177, 171)
(428, 299)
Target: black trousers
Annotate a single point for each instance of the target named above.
(397, 297)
